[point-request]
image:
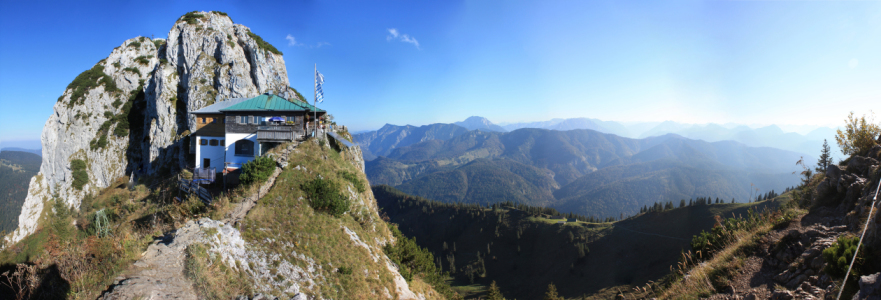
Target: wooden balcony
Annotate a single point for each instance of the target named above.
(278, 133)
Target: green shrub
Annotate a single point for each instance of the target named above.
(345, 270)
(142, 60)
(133, 70)
(80, 176)
(351, 177)
(191, 17)
(98, 142)
(158, 43)
(263, 44)
(838, 256)
(257, 170)
(88, 80)
(324, 195)
(62, 220)
(134, 44)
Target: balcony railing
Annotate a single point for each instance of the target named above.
(278, 133)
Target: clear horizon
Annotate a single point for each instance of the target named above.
(787, 63)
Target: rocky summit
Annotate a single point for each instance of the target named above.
(129, 112)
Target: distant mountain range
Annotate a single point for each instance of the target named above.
(581, 171)
(381, 142)
(480, 123)
(34, 151)
(769, 136)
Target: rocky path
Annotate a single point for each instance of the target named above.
(788, 262)
(159, 273)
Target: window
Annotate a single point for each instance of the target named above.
(203, 120)
(252, 120)
(213, 120)
(212, 142)
(206, 163)
(243, 120)
(263, 121)
(203, 142)
(244, 148)
(291, 119)
(222, 143)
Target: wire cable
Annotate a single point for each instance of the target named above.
(874, 200)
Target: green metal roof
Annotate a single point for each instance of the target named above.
(271, 103)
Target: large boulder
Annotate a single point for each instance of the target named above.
(859, 165)
(833, 173)
(870, 287)
(875, 152)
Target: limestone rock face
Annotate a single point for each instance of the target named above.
(203, 61)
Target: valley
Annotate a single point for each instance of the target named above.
(579, 171)
(523, 249)
(16, 170)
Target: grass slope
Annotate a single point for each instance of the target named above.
(523, 251)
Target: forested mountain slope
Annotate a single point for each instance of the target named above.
(16, 170)
(523, 250)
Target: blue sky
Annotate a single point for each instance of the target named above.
(750, 62)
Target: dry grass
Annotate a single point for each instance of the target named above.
(701, 278)
(73, 261)
(211, 278)
(700, 275)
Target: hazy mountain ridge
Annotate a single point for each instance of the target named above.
(597, 174)
(480, 123)
(34, 151)
(766, 136)
(381, 142)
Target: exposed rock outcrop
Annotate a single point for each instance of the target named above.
(148, 86)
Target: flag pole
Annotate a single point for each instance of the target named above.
(315, 101)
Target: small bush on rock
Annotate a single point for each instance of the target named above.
(351, 177)
(257, 170)
(838, 256)
(80, 176)
(324, 195)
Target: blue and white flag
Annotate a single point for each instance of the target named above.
(319, 80)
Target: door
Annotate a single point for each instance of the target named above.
(206, 163)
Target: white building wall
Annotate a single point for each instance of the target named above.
(214, 153)
(231, 139)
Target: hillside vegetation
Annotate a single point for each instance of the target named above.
(16, 170)
(523, 249)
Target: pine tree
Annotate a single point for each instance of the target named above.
(682, 203)
(494, 293)
(551, 294)
(825, 158)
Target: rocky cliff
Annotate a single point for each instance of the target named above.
(128, 112)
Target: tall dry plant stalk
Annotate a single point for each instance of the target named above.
(22, 281)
